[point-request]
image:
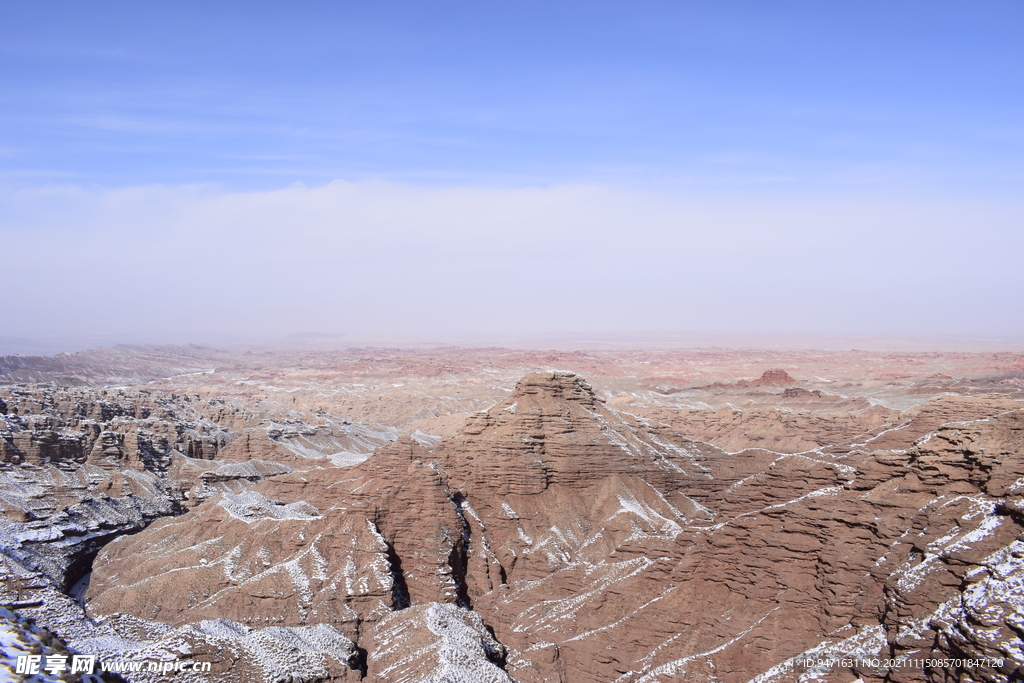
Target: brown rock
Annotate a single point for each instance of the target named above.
(773, 378)
(600, 546)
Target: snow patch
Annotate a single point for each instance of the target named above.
(252, 506)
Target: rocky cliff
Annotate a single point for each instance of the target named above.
(553, 538)
(82, 468)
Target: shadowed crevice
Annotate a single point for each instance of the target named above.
(458, 558)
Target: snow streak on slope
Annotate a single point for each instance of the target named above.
(252, 506)
(437, 643)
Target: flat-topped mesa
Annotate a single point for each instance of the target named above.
(555, 385)
(553, 429)
(774, 378)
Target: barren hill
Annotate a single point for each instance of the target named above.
(555, 536)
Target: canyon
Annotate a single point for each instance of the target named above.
(517, 515)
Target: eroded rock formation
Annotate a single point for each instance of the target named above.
(599, 546)
(728, 534)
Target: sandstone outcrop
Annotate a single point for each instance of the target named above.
(772, 378)
(80, 467)
(451, 644)
(599, 546)
(775, 429)
(726, 535)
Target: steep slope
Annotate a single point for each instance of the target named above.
(81, 468)
(349, 546)
(560, 540)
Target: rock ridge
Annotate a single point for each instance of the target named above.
(554, 538)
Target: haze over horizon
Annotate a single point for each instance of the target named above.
(184, 172)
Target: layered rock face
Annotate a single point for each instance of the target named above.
(777, 429)
(550, 538)
(555, 539)
(400, 529)
(81, 468)
(774, 378)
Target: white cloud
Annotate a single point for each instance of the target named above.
(384, 259)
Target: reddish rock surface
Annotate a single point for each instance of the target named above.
(598, 546)
(643, 531)
(774, 378)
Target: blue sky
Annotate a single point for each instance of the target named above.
(912, 112)
(259, 95)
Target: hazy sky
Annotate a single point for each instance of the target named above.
(175, 171)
